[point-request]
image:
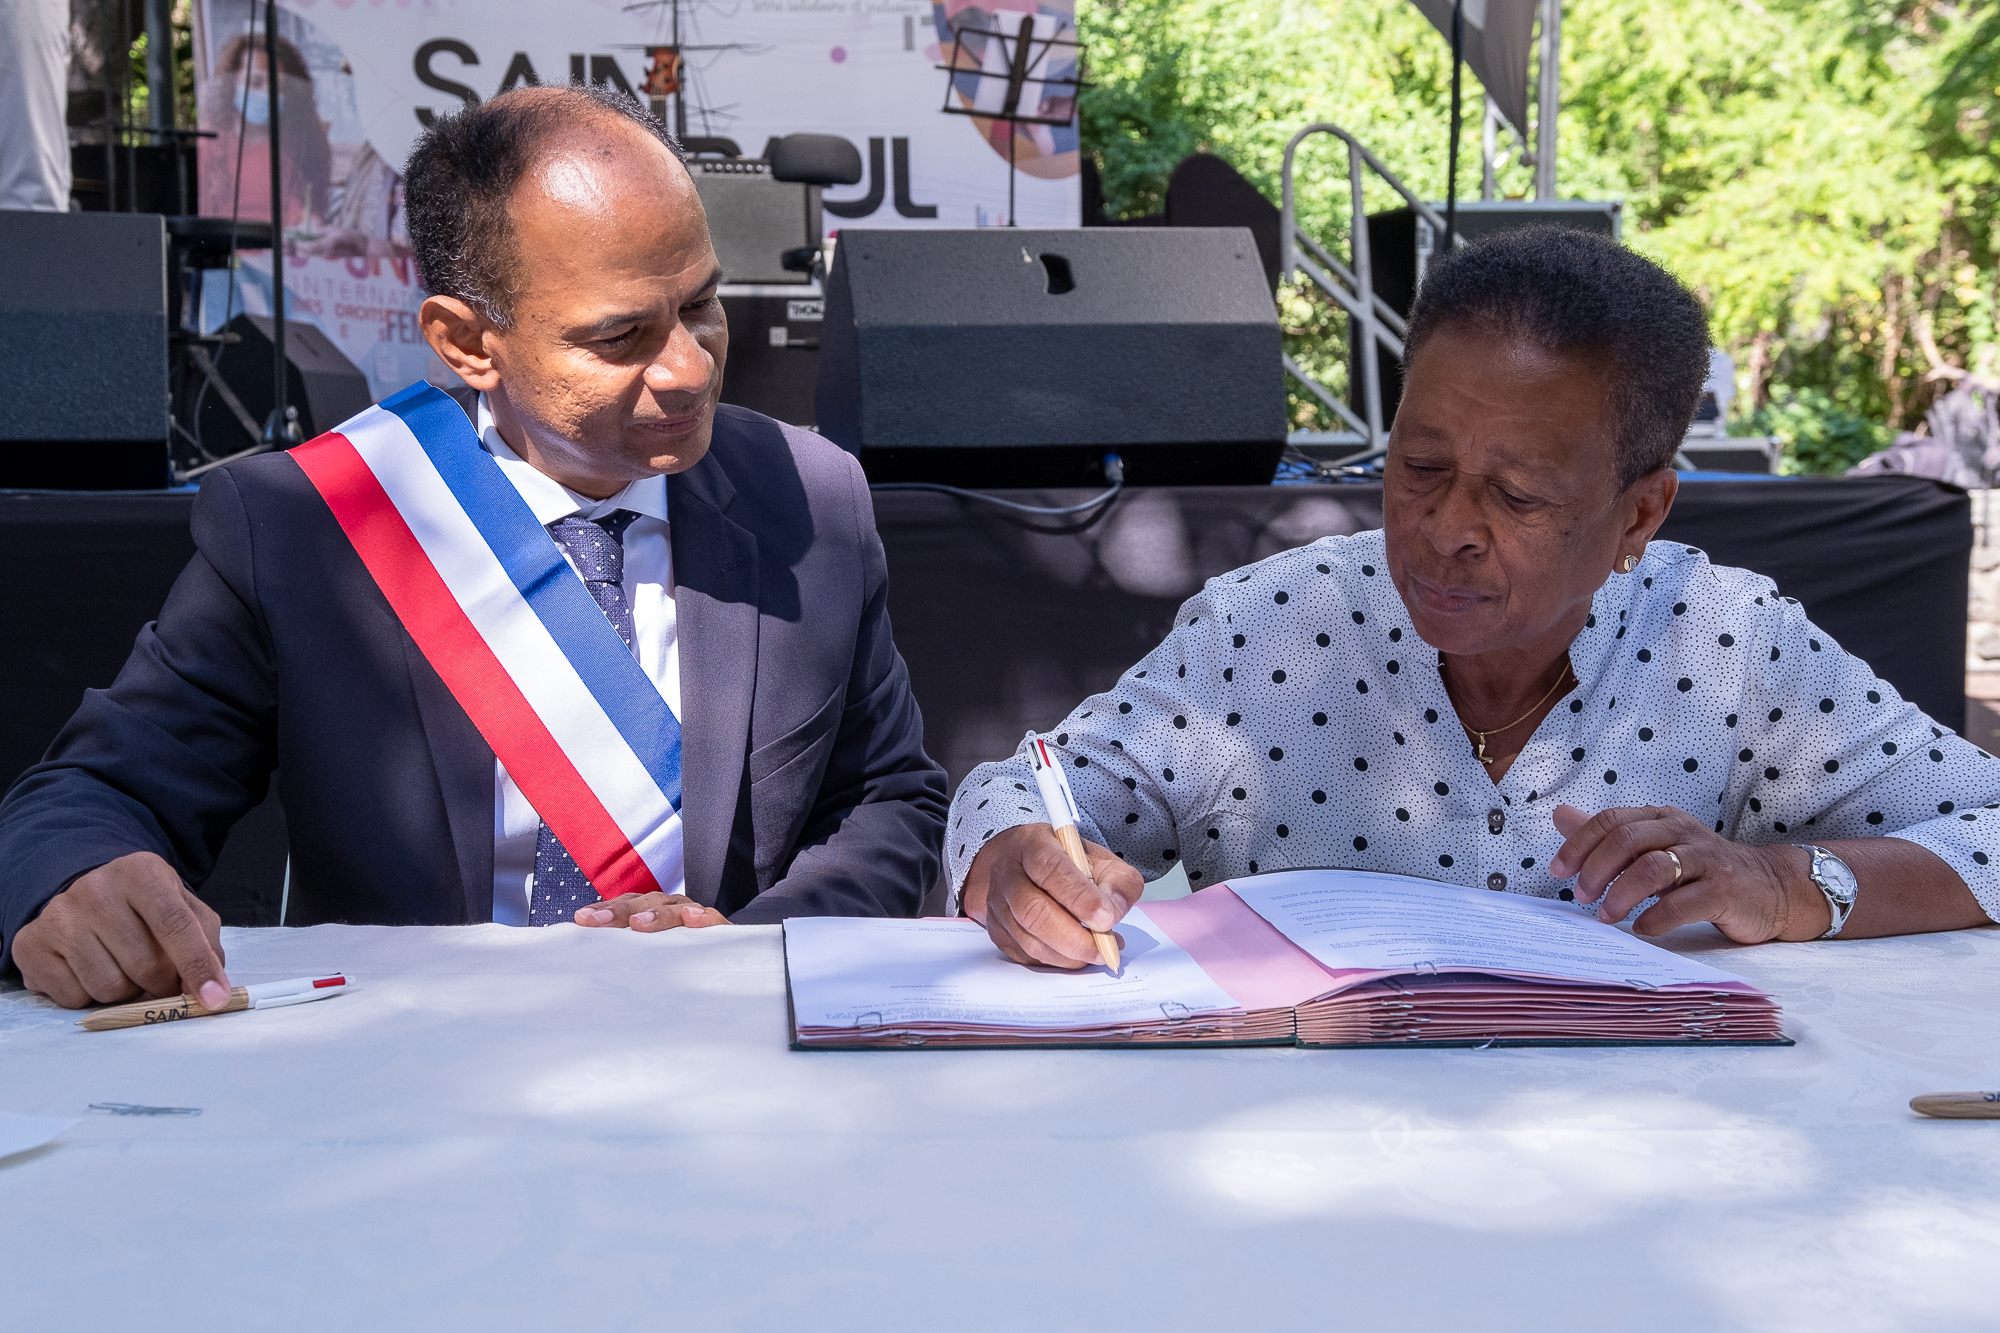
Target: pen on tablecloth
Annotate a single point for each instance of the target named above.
(1060, 802)
(264, 995)
(1958, 1105)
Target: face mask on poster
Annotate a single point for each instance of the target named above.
(255, 104)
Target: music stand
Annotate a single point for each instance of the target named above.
(1023, 54)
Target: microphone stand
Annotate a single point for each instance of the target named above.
(281, 428)
(1451, 171)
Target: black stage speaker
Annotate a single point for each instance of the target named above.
(323, 384)
(1206, 191)
(773, 352)
(1400, 245)
(754, 218)
(83, 351)
(1008, 357)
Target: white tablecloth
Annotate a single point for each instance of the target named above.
(566, 1130)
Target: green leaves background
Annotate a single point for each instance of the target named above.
(1823, 172)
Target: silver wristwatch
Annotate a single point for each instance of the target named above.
(1836, 881)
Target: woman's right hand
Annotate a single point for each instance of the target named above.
(1037, 905)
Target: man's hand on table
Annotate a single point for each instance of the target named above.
(648, 912)
(1037, 906)
(126, 929)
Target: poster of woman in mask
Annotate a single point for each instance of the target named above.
(237, 110)
(347, 252)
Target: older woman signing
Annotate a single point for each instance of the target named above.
(1510, 685)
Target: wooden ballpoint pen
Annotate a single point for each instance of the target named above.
(1060, 802)
(263, 995)
(1958, 1105)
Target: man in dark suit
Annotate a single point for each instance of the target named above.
(574, 287)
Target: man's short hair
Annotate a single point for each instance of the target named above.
(1578, 293)
(461, 176)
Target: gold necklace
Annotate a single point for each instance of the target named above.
(1480, 736)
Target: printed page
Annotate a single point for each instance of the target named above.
(18, 1133)
(856, 972)
(1394, 923)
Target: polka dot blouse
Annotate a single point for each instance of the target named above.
(1293, 718)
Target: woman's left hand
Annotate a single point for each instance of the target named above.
(1628, 854)
(649, 912)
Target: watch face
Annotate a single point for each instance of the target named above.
(1840, 881)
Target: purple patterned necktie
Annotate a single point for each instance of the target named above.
(597, 547)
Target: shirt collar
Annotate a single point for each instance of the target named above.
(550, 500)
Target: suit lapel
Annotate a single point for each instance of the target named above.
(464, 764)
(715, 613)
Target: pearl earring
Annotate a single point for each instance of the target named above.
(1628, 564)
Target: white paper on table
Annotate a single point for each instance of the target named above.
(873, 972)
(1358, 919)
(18, 1133)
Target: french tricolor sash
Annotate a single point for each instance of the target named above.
(503, 619)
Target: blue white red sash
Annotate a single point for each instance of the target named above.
(485, 592)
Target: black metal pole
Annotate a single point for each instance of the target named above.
(131, 172)
(108, 33)
(1010, 106)
(680, 82)
(160, 64)
(1451, 170)
(278, 430)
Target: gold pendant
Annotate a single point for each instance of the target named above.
(1480, 749)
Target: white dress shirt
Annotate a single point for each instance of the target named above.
(649, 589)
(1293, 718)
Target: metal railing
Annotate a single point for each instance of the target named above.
(1373, 319)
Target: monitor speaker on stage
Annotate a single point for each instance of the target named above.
(323, 384)
(998, 356)
(83, 351)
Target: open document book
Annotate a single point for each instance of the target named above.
(1313, 957)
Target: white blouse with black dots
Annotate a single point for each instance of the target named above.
(1294, 719)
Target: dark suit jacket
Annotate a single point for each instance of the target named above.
(806, 789)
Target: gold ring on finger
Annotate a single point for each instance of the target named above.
(1677, 865)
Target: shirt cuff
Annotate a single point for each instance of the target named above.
(986, 805)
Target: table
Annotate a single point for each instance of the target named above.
(560, 1128)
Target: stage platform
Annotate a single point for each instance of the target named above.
(1005, 621)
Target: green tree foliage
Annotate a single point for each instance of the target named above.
(1824, 172)
(1815, 433)
(138, 88)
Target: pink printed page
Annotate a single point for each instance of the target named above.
(1244, 953)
